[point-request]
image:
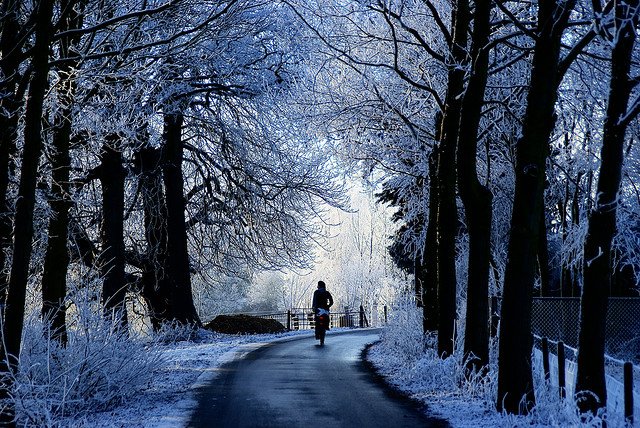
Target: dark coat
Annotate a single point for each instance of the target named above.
(322, 299)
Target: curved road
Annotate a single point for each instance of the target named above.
(299, 383)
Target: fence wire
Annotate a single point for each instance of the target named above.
(558, 318)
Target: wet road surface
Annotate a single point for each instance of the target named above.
(299, 383)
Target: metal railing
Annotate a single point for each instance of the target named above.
(303, 318)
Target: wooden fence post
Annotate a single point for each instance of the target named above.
(628, 392)
(561, 374)
(289, 320)
(545, 359)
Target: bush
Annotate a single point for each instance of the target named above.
(244, 324)
(100, 368)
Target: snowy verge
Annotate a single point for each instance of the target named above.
(408, 361)
(171, 397)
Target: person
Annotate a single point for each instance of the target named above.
(322, 299)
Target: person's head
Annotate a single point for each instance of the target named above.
(321, 284)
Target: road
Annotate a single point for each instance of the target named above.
(298, 383)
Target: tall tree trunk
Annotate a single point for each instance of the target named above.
(10, 102)
(23, 229)
(590, 381)
(56, 261)
(429, 274)
(112, 260)
(515, 381)
(178, 268)
(476, 198)
(155, 279)
(447, 218)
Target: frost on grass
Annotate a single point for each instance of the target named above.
(188, 359)
(99, 369)
(409, 361)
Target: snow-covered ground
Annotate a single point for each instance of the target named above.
(412, 366)
(170, 398)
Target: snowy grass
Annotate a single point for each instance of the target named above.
(169, 398)
(105, 379)
(410, 363)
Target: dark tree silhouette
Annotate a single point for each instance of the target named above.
(591, 391)
(514, 378)
(476, 197)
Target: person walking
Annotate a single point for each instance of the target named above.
(322, 299)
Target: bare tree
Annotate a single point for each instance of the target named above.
(591, 391)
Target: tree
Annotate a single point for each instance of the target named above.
(476, 198)
(591, 392)
(23, 228)
(515, 381)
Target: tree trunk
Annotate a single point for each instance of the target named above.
(515, 381)
(112, 260)
(178, 268)
(430, 309)
(447, 218)
(23, 229)
(155, 280)
(56, 262)
(476, 198)
(10, 102)
(590, 382)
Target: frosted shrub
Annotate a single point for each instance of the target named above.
(402, 339)
(410, 360)
(175, 332)
(98, 369)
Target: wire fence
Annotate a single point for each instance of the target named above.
(558, 318)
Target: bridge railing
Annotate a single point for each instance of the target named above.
(303, 319)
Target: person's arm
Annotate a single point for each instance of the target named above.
(330, 297)
(314, 302)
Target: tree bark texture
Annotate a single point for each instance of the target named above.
(56, 261)
(447, 218)
(23, 228)
(429, 273)
(602, 219)
(112, 258)
(476, 198)
(57, 257)
(155, 279)
(515, 382)
(10, 102)
(178, 267)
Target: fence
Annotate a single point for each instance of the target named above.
(303, 319)
(559, 364)
(558, 318)
(555, 325)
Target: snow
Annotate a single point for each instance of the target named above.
(171, 398)
(441, 386)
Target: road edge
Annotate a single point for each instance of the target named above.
(397, 393)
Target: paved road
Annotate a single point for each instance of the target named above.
(277, 386)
